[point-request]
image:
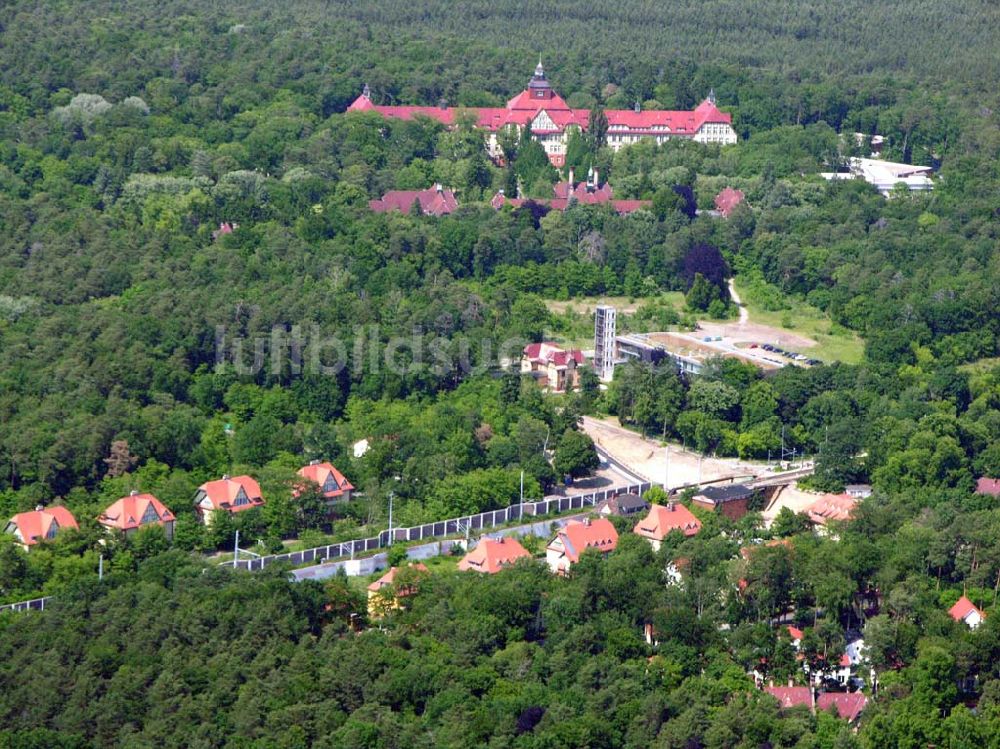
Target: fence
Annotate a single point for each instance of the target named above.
(481, 522)
(35, 604)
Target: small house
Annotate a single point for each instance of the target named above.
(493, 554)
(434, 201)
(384, 595)
(555, 368)
(130, 513)
(732, 500)
(623, 505)
(966, 611)
(576, 537)
(41, 524)
(331, 482)
(663, 519)
(228, 494)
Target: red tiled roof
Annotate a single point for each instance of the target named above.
(962, 608)
(989, 486)
(727, 200)
(390, 577)
(127, 513)
(492, 555)
(433, 201)
(662, 520)
(523, 108)
(578, 536)
(832, 507)
(848, 705)
(795, 632)
(551, 353)
(36, 525)
(583, 194)
(789, 697)
(320, 473)
(223, 493)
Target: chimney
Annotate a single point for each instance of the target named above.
(597, 178)
(671, 506)
(314, 462)
(225, 477)
(439, 187)
(443, 103)
(133, 493)
(500, 540)
(586, 521)
(638, 108)
(39, 508)
(791, 682)
(572, 183)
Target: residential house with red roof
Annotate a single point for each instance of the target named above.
(434, 201)
(988, 486)
(228, 494)
(331, 482)
(663, 519)
(554, 367)
(727, 200)
(41, 524)
(385, 593)
(846, 705)
(493, 554)
(130, 513)
(550, 120)
(570, 192)
(576, 537)
(832, 507)
(966, 611)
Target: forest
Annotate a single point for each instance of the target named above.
(130, 132)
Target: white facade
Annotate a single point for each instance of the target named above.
(605, 325)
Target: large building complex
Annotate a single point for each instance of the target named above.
(550, 120)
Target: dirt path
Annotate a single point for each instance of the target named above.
(744, 315)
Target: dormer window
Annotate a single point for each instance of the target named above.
(241, 498)
(330, 485)
(149, 516)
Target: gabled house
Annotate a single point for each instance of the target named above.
(556, 368)
(791, 696)
(727, 200)
(493, 554)
(434, 201)
(331, 482)
(576, 537)
(988, 486)
(130, 513)
(966, 611)
(623, 505)
(228, 494)
(570, 192)
(832, 507)
(662, 519)
(41, 524)
(381, 601)
(846, 705)
(732, 500)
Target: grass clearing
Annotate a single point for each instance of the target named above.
(833, 342)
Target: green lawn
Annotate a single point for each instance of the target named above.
(573, 324)
(834, 343)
